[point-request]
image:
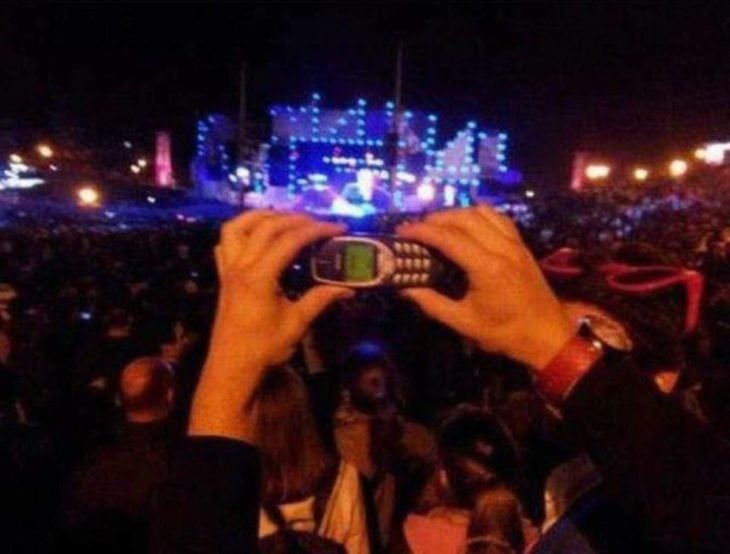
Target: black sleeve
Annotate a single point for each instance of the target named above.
(657, 460)
(211, 502)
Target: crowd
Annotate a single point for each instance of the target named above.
(381, 422)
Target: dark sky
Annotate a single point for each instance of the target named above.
(639, 81)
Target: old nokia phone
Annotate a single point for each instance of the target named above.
(368, 261)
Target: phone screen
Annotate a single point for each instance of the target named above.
(359, 262)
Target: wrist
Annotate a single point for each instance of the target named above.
(221, 404)
(542, 344)
(576, 357)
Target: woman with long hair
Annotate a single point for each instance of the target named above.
(305, 489)
(472, 506)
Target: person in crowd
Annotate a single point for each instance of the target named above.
(29, 472)
(473, 505)
(306, 489)
(109, 496)
(101, 362)
(661, 464)
(392, 454)
(113, 351)
(541, 442)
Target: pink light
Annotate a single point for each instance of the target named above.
(163, 161)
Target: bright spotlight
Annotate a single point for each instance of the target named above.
(529, 193)
(597, 171)
(88, 196)
(142, 162)
(641, 174)
(700, 153)
(716, 152)
(426, 192)
(135, 169)
(16, 159)
(44, 150)
(677, 168)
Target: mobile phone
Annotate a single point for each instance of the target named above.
(369, 261)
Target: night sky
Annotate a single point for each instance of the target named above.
(643, 82)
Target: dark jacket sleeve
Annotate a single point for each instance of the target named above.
(211, 502)
(657, 460)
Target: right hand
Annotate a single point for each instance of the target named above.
(256, 325)
(509, 307)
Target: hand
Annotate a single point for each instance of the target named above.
(508, 308)
(256, 325)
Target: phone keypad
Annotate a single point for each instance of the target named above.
(413, 263)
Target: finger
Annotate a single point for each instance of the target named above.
(437, 306)
(291, 242)
(243, 224)
(500, 221)
(233, 233)
(316, 300)
(267, 233)
(220, 260)
(476, 228)
(453, 244)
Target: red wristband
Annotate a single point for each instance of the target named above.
(557, 378)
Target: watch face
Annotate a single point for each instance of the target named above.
(609, 331)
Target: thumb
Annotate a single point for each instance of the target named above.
(437, 306)
(316, 300)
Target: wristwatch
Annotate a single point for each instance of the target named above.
(595, 337)
(607, 332)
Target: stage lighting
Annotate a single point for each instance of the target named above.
(449, 196)
(426, 192)
(597, 171)
(677, 168)
(44, 150)
(700, 153)
(641, 174)
(716, 152)
(88, 196)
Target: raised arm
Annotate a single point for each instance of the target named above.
(211, 503)
(664, 465)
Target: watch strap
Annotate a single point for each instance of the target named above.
(565, 369)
